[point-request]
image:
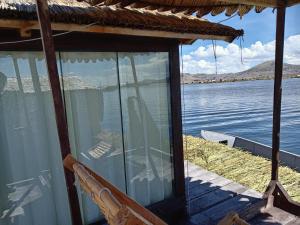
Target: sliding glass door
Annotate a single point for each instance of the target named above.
(118, 116)
(118, 110)
(144, 82)
(91, 92)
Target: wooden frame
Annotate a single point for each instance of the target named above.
(170, 209)
(25, 28)
(275, 194)
(60, 116)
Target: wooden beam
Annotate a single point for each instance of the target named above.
(186, 38)
(284, 201)
(176, 118)
(280, 22)
(265, 3)
(49, 51)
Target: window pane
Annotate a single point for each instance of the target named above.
(90, 85)
(32, 184)
(144, 81)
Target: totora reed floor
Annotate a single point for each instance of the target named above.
(238, 165)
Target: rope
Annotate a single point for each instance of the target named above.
(221, 21)
(214, 45)
(55, 35)
(241, 48)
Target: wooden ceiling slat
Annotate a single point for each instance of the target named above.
(231, 10)
(217, 10)
(190, 11)
(140, 5)
(199, 3)
(179, 10)
(259, 9)
(112, 2)
(244, 9)
(165, 8)
(203, 11)
(189, 7)
(124, 4)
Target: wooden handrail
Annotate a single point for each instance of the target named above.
(117, 207)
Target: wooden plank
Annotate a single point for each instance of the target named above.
(280, 22)
(201, 220)
(204, 175)
(273, 215)
(284, 201)
(265, 3)
(187, 38)
(234, 204)
(215, 181)
(194, 172)
(177, 144)
(189, 167)
(206, 187)
(215, 197)
(232, 218)
(294, 222)
(201, 178)
(205, 183)
(62, 128)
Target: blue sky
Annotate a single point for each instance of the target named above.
(259, 32)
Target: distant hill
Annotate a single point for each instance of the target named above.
(263, 71)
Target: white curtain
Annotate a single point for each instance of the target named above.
(32, 184)
(93, 112)
(144, 81)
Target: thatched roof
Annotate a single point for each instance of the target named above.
(198, 7)
(72, 11)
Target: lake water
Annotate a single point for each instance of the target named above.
(243, 109)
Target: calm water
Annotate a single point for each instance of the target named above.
(243, 109)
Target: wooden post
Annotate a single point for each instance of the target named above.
(277, 90)
(62, 129)
(175, 94)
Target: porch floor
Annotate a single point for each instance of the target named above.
(211, 197)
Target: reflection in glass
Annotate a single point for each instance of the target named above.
(32, 184)
(90, 87)
(144, 82)
(118, 115)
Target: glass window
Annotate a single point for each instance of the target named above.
(144, 82)
(90, 87)
(118, 115)
(32, 184)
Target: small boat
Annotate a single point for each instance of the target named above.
(286, 158)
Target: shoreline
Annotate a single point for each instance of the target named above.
(234, 80)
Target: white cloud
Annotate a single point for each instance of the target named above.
(229, 58)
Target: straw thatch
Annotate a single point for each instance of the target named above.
(199, 7)
(240, 166)
(71, 11)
